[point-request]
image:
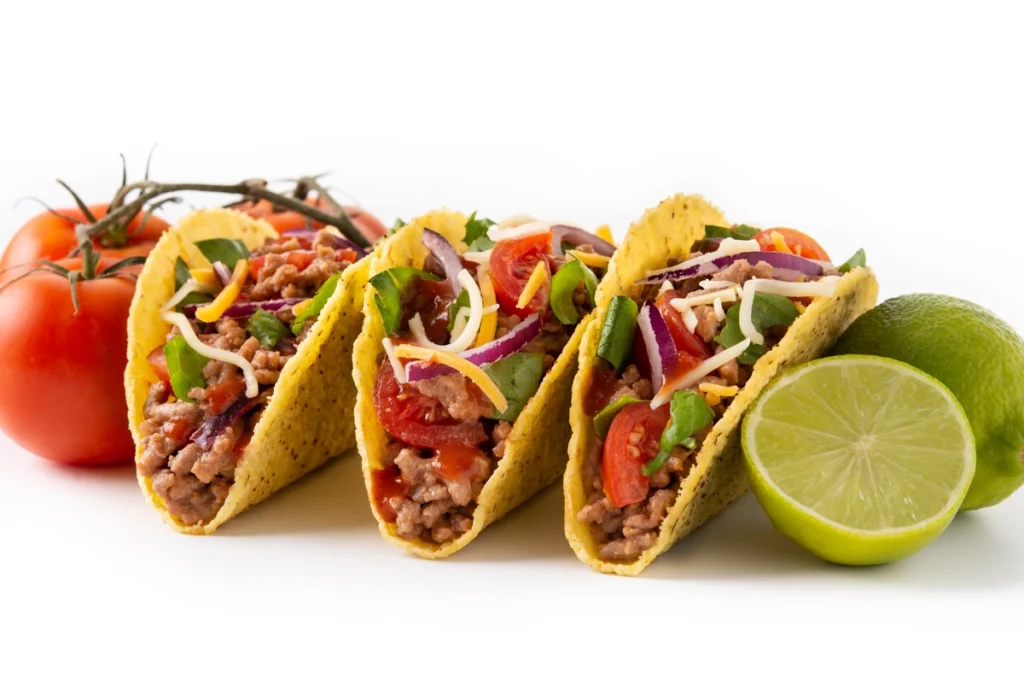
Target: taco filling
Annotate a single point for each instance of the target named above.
(469, 338)
(673, 359)
(234, 327)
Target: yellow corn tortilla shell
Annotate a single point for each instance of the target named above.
(307, 421)
(717, 478)
(535, 451)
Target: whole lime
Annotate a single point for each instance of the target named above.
(977, 356)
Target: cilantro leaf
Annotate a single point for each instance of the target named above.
(476, 228)
(858, 260)
(388, 295)
(518, 378)
(768, 310)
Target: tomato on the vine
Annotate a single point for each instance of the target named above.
(62, 383)
(51, 237)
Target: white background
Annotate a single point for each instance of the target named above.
(892, 127)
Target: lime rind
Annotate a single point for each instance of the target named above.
(794, 490)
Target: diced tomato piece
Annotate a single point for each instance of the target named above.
(798, 243)
(300, 258)
(419, 420)
(634, 438)
(456, 462)
(512, 264)
(177, 430)
(158, 364)
(223, 394)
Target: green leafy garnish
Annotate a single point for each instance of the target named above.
(745, 232)
(389, 286)
(563, 286)
(181, 276)
(518, 377)
(603, 420)
(227, 251)
(399, 223)
(461, 301)
(477, 228)
(184, 366)
(265, 327)
(769, 310)
(320, 299)
(617, 332)
(482, 244)
(858, 260)
(711, 231)
(689, 414)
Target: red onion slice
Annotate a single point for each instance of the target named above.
(661, 348)
(445, 253)
(578, 236)
(223, 273)
(244, 309)
(214, 426)
(778, 259)
(491, 352)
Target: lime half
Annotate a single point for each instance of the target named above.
(859, 459)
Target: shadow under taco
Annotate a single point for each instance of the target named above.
(693, 319)
(464, 368)
(239, 376)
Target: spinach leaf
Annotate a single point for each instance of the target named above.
(769, 310)
(388, 295)
(858, 260)
(227, 251)
(689, 414)
(184, 366)
(744, 232)
(711, 231)
(518, 377)
(617, 332)
(266, 327)
(320, 299)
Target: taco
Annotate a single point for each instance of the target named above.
(694, 318)
(239, 376)
(464, 367)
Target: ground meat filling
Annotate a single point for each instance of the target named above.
(623, 534)
(193, 481)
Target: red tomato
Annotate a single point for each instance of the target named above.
(223, 395)
(419, 420)
(62, 380)
(512, 264)
(456, 462)
(52, 238)
(299, 258)
(633, 440)
(799, 243)
(158, 364)
(178, 430)
(603, 383)
(368, 224)
(687, 342)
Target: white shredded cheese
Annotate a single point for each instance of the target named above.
(666, 286)
(719, 311)
(826, 286)
(462, 341)
(191, 285)
(728, 295)
(461, 318)
(728, 247)
(515, 220)
(698, 373)
(478, 256)
(519, 232)
(747, 313)
(689, 318)
(716, 284)
(181, 322)
(396, 365)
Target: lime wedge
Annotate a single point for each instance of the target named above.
(859, 459)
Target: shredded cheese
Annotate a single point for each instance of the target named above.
(719, 311)
(589, 258)
(800, 308)
(728, 247)
(461, 318)
(698, 373)
(186, 289)
(824, 287)
(459, 364)
(212, 311)
(480, 257)
(537, 279)
(666, 286)
(605, 233)
(728, 295)
(205, 277)
(780, 243)
(185, 327)
(716, 284)
(462, 341)
(396, 365)
(489, 321)
(499, 234)
(718, 389)
(747, 313)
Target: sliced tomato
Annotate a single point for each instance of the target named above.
(457, 462)
(223, 394)
(419, 420)
(512, 264)
(686, 342)
(300, 258)
(177, 430)
(158, 364)
(798, 243)
(633, 440)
